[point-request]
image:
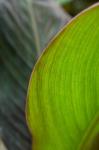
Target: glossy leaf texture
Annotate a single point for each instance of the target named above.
(63, 95)
(25, 28)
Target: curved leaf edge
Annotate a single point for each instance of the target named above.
(66, 26)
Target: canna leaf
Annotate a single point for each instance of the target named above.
(25, 28)
(63, 95)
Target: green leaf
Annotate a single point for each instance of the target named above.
(63, 95)
(63, 1)
(25, 28)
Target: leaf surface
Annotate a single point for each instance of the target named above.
(63, 95)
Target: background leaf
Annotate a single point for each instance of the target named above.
(2, 146)
(25, 28)
(63, 1)
(76, 6)
(63, 97)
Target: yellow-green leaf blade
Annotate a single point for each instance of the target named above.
(63, 94)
